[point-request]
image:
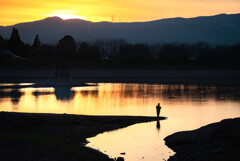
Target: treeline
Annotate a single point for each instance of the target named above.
(65, 49)
(118, 50)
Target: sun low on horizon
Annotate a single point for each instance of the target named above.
(17, 11)
(65, 14)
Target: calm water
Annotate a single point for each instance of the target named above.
(186, 106)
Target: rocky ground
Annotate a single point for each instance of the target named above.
(55, 137)
(214, 142)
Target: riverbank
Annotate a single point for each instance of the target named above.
(214, 142)
(210, 77)
(56, 137)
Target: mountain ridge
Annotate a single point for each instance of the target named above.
(217, 29)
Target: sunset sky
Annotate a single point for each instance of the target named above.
(16, 11)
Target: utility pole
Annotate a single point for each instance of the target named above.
(112, 18)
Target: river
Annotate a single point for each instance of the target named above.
(186, 107)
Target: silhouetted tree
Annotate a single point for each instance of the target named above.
(36, 42)
(202, 51)
(135, 52)
(15, 43)
(154, 50)
(87, 52)
(44, 51)
(2, 42)
(142, 52)
(66, 47)
(219, 53)
(109, 48)
(174, 52)
(126, 52)
(234, 52)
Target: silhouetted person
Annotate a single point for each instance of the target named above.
(158, 108)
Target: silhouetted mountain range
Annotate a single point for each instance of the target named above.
(219, 29)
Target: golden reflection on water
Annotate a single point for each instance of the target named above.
(15, 84)
(120, 99)
(140, 141)
(186, 106)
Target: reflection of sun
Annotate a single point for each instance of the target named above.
(65, 14)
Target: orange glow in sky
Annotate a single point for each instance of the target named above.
(65, 14)
(16, 11)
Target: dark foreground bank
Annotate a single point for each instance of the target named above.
(55, 137)
(214, 142)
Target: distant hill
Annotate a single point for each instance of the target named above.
(219, 29)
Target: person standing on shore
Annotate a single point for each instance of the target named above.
(158, 108)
